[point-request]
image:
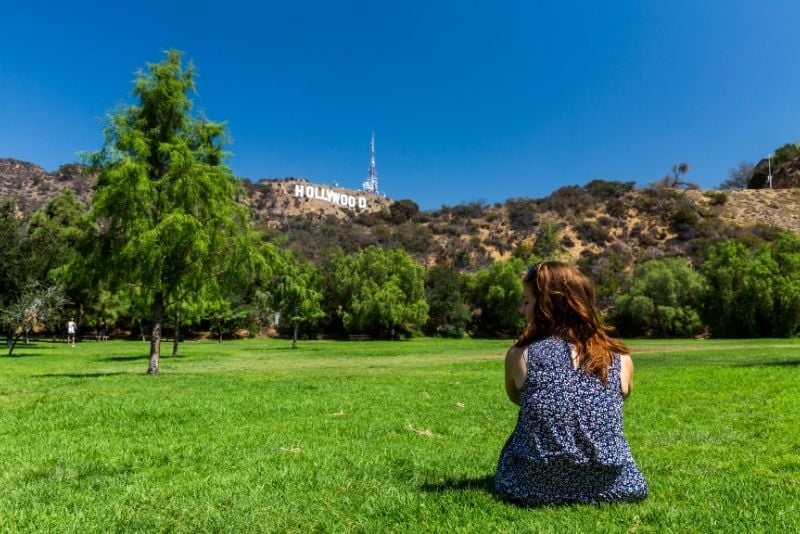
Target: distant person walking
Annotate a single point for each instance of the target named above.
(102, 328)
(569, 378)
(72, 331)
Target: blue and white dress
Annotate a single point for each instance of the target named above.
(568, 445)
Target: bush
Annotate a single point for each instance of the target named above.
(716, 198)
(663, 301)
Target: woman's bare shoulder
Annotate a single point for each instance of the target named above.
(515, 352)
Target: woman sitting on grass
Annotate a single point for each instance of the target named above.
(569, 378)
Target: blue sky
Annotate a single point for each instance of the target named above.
(469, 100)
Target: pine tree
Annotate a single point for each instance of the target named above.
(165, 204)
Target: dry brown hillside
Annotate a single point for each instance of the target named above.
(599, 222)
(773, 207)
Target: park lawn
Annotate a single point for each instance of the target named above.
(251, 436)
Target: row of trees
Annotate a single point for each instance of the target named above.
(741, 290)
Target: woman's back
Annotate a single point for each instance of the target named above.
(568, 444)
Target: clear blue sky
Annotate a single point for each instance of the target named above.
(469, 100)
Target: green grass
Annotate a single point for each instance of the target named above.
(251, 436)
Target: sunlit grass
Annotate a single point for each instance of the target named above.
(374, 436)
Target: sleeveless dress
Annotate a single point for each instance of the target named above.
(568, 445)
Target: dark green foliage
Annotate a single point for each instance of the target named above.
(616, 207)
(469, 210)
(607, 190)
(495, 295)
(521, 213)
(295, 290)
(404, 210)
(787, 152)
(759, 177)
(547, 245)
(592, 232)
(376, 291)
(447, 314)
(165, 204)
(716, 198)
(414, 238)
(608, 271)
(662, 301)
(58, 236)
(684, 219)
(569, 201)
(14, 260)
(753, 292)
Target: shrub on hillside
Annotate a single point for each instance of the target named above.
(568, 201)
(608, 189)
(521, 214)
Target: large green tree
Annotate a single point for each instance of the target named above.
(495, 296)
(448, 316)
(753, 291)
(296, 293)
(56, 235)
(662, 301)
(377, 291)
(166, 205)
(14, 270)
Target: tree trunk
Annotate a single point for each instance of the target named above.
(13, 343)
(141, 330)
(177, 331)
(294, 336)
(155, 337)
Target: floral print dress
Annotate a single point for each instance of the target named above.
(568, 445)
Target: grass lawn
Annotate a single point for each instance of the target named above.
(375, 437)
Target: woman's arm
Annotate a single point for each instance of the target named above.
(515, 372)
(626, 374)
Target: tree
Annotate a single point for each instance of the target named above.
(57, 233)
(495, 296)
(36, 306)
(403, 210)
(378, 290)
(676, 179)
(753, 291)
(14, 271)
(548, 242)
(739, 177)
(296, 294)
(448, 315)
(663, 301)
(165, 204)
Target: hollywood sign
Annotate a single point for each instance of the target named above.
(328, 195)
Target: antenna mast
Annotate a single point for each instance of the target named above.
(370, 185)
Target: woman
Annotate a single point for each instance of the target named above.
(569, 378)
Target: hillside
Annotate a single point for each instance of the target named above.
(33, 186)
(596, 223)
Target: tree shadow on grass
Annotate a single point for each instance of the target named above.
(127, 358)
(17, 354)
(80, 375)
(33, 348)
(770, 363)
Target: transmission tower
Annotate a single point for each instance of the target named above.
(370, 185)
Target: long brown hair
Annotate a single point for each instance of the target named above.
(564, 306)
